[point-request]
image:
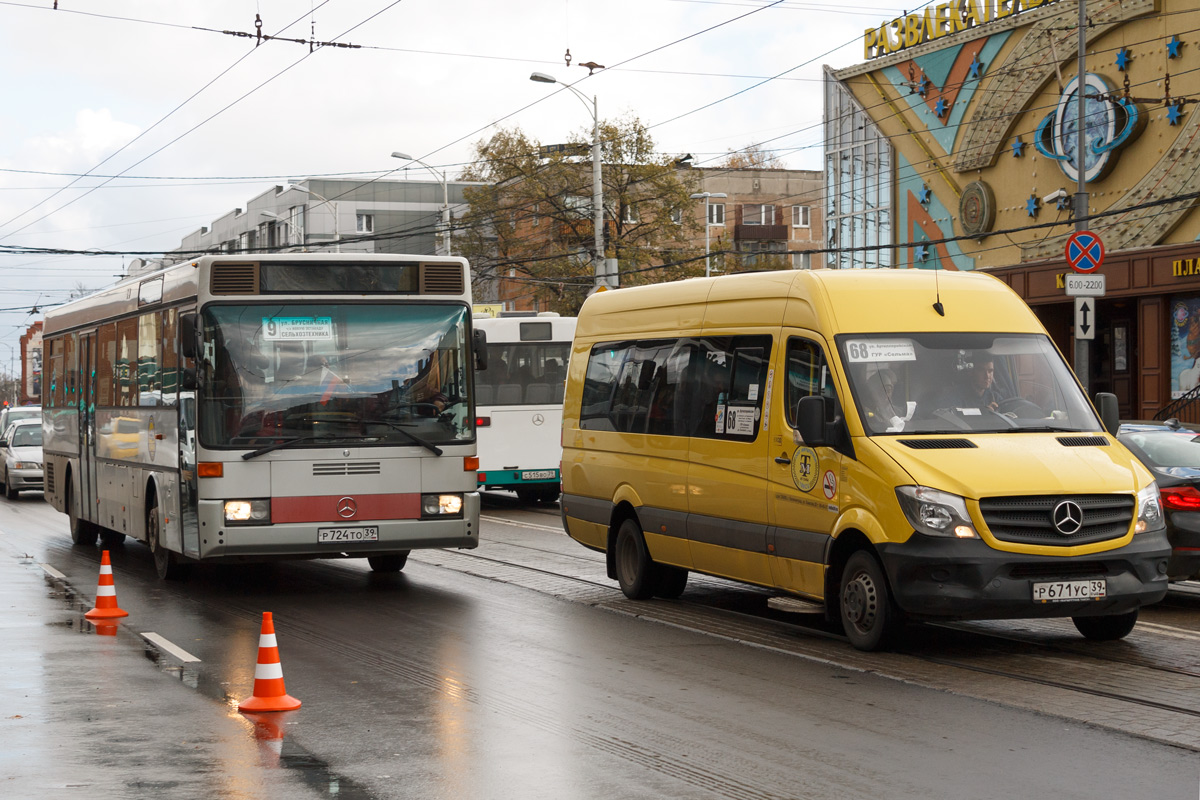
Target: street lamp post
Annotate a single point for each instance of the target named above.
(14, 381)
(597, 182)
(337, 236)
(444, 247)
(707, 224)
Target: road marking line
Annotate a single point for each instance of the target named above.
(52, 572)
(178, 652)
(502, 521)
(1170, 630)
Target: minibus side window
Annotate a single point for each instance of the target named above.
(604, 366)
(807, 375)
(732, 385)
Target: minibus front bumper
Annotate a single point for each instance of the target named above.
(938, 578)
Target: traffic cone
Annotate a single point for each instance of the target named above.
(106, 594)
(269, 693)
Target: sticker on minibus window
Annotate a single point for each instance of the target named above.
(866, 350)
(741, 421)
(297, 329)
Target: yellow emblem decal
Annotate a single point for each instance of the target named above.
(805, 467)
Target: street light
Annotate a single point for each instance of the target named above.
(337, 236)
(597, 184)
(444, 234)
(707, 223)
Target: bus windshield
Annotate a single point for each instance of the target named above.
(960, 382)
(339, 373)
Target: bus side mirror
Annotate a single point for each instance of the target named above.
(810, 421)
(187, 335)
(479, 345)
(187, 379)
(1106, 404)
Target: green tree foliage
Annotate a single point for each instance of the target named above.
(534, 219)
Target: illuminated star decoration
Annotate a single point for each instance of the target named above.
(1062, 203)
(924, 195)
(923, 86)
(920, 252)
(1173, 47)
(1175, 113)
(1123, 58)
(941, 108)
(976, 69)
(1031, 205)
(1018, 148)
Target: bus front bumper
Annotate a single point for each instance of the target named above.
(953, 579)
(303, 540)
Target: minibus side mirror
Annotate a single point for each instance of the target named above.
(187, 379)
(810, 421)
(479, 345)
(188, 342)
(1106, 404)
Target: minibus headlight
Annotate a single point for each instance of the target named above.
(247, 512)
(1150, 515)
(441, 505)
(935, 513)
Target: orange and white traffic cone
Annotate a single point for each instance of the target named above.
(106, 594)
(269, 692)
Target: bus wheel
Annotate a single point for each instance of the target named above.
(166, 563)
(635, 571)
(392, 562)
(1106, 629)
(866, 608)
(671, 581)
(82, 532)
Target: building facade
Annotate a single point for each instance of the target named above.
(372, 216)
(953, 145)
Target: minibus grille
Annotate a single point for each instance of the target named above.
(325, 469)
(1030, 519)
(938, 444)
(1083, 441)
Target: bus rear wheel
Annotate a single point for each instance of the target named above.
(1108, 628)
(83, 533)
(868, 617)
(392, 562)
(166, 563)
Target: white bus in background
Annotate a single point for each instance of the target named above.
(519, 400)
(244, 407)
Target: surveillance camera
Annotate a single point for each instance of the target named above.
(1055, 196)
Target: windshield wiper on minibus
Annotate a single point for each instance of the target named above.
(433, 448)
(286, 443)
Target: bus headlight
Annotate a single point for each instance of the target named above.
(935, 513)
(441, 505)
(1149, 512)
(247, 512)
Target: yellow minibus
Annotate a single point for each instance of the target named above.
(894, 445)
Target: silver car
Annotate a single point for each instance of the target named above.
(21, 458)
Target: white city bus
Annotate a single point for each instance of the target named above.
(519, 399)
(264, 407)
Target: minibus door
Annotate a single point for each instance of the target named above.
(805, 482)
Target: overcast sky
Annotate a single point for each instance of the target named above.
(194, 121)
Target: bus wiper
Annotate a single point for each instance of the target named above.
(433, 448)
(286, 443)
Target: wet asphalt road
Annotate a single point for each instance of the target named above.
(438, 684)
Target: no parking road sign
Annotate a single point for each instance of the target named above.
(1085, 251)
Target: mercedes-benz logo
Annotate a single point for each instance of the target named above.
(1067, 517)
(347, 508)
(538, 419)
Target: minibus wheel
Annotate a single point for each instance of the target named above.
(671, 581)
(1108, 628)
(866, 606)
(82, 531)
(392, 562)
(635, 570)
